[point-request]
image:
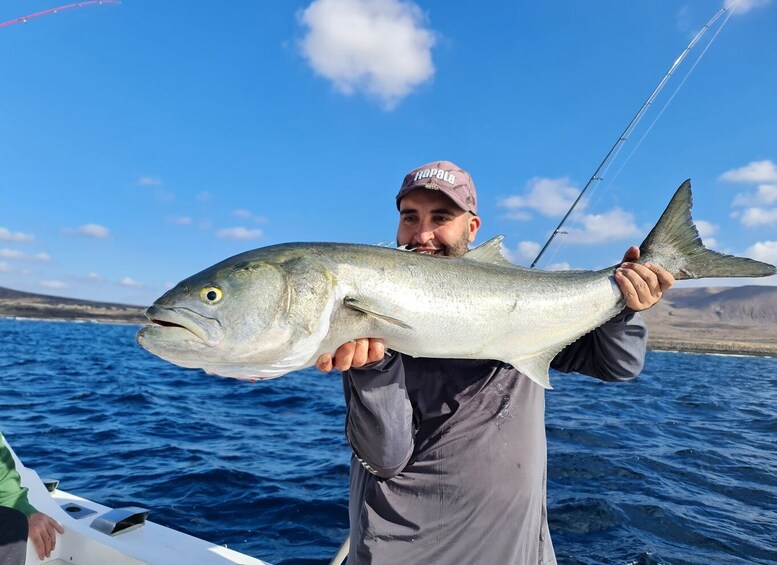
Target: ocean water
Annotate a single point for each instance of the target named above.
(677, 467)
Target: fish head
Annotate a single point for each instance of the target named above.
(227, 319)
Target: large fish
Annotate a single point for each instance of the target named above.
(266, 312)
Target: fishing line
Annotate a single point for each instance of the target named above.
(616, 148)
(25, 19)
(685, 78)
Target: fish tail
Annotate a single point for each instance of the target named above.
(675, 245)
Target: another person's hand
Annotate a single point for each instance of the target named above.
(355, 353)
(642, 285)
(43, 533)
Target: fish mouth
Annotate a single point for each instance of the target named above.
(208, 330)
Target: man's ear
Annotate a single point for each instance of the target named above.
(474, 225)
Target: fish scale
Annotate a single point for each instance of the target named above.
(274, 310)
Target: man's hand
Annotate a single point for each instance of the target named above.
(642, 285)
(43, 533)
(355, 353)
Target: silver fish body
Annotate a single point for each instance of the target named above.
(273, 310)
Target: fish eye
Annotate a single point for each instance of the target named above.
(211, 294)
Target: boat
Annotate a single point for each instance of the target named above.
(99, 535)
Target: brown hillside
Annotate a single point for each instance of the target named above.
(734, 319)
(14, 303)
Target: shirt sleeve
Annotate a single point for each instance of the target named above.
(615, 351)
(12, 493)
(379, 423)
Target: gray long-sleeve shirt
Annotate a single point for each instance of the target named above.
(450, 457)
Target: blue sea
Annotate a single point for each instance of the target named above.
(676, 467)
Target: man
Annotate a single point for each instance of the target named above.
(450, 455)
(19, 519)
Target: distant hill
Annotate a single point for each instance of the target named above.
(722, 319)
(14, 303)
(709, 319)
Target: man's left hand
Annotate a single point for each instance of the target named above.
(43, 533)
(642, 285)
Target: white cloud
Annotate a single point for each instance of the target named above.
(765, 251)
(149, 181)
(753, 217)
(239, 233)
(528, 249)
(613, 225)
(19, 256)
(380, 47)
(203, 197)
(94, 277)
(551, 197)
(524, 251)
(8, 235)
(56, 285)
(183, 220)
(248, 215)
(765, 194)
(744, 5)
(5, 267)
(706, 231)
(705, 228)
(710, 242)
(129, 282)
(754, 172)
(95, 231)
(519, 216)
(558, 267)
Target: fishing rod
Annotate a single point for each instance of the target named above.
(25, 19)
(615, 149)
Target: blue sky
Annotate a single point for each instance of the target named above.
(141, 142)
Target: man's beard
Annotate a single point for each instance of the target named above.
(458, 248)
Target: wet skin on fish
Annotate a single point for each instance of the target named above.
(273, 310)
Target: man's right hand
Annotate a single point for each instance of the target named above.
(355, 353)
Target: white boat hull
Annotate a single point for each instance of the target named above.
(140, 544)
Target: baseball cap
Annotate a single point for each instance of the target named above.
(450, 179)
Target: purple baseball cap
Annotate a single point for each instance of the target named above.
(450, 179)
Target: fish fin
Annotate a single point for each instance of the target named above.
(537, 368)
(675, 245)
(365, 308)
(489, 252)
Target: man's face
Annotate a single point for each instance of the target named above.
(429, 222)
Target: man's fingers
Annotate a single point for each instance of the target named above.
(49, 540)
(377, 351)
(355, 353)
(361, 353)
(632, 253)
(40, 540)
(43, 533)
(40, 548)
(344, 356)
(665, 278)
(57, 526)
(324, 363)
(643, 285)
(627, 288)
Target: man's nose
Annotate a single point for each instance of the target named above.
(424, 234)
